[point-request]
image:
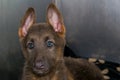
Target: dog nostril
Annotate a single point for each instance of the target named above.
(39, 64)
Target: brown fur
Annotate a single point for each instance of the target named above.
(46, 62)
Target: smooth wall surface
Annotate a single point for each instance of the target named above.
(11, 12)
(93, 27)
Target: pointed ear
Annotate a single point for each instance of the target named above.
(54, 18)
(27, 21)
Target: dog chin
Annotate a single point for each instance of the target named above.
(41, 72)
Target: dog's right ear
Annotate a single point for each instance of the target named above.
(27, 21)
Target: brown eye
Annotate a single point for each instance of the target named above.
(30, 45)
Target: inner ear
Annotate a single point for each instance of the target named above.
(54, 18)
(27, 21)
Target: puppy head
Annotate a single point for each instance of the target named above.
(42, 43)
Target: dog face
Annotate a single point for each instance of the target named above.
(42, 43)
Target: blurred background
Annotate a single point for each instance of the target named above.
(93, 30)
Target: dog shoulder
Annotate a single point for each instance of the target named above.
(82, 69)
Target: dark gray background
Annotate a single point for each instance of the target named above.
(93, 27)
(93, 30)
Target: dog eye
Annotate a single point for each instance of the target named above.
(50, 44)
(30, 45)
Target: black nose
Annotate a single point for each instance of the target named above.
(39, 64)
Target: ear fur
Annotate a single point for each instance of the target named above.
(55, 19)
(26, 22)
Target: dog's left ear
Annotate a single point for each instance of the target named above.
(54, 18)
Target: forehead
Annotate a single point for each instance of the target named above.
(41, 30)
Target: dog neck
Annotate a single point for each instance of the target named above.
(61, 72)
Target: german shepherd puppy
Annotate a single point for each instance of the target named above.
(43, 46)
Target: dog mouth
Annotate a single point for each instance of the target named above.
(41, 71)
